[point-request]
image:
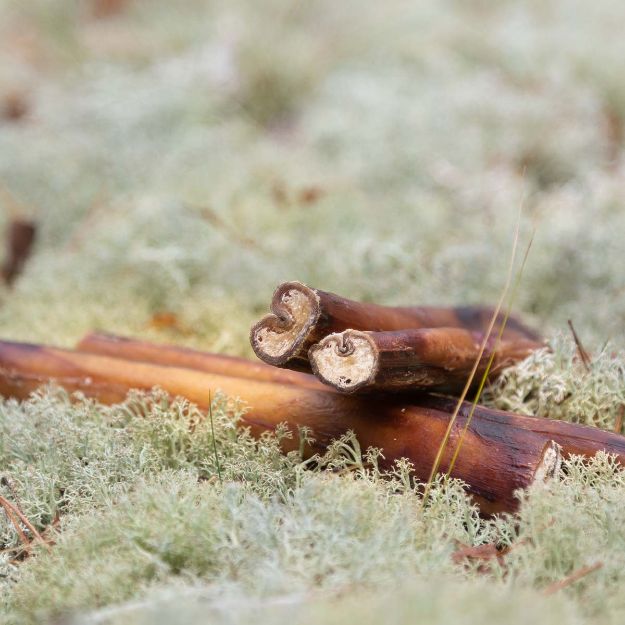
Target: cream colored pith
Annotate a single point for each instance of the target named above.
(345, 359)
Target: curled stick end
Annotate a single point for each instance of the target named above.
(282, 335)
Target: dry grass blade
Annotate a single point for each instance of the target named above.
(469, 382)
(210, 415)
(583, 354)
(15, 522)
(491, 359)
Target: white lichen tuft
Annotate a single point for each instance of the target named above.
(555, 383)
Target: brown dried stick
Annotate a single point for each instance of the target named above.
(301, 316)
(575, 439)
(502, 451)
(20, 238)
(499, 455)
(171, 355)
(406, 360)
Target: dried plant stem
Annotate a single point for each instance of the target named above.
(583, 354)
(210, 415)
(15, 522)
(502, 452)
(301, 316)
(14, 513)
(432, 358)
(171, 355)
(469, 382)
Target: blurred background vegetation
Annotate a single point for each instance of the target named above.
(182, 158)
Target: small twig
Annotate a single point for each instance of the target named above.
(480, 555)
(13, 511)
(15, 522)
(572, 578)
(6, 482)
(210, 415)
(242, 239)
(618, 423)
(583, 354)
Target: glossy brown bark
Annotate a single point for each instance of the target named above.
(407, 360)
(575, 439)
(501, 451)
(20, 238)
(171, 355)
(326, 313)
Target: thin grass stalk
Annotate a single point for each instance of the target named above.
(491, 359)
(469, 383)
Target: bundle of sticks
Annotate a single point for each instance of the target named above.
(356, 347)
(501, 451)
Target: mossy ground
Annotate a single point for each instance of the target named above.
(182, 159)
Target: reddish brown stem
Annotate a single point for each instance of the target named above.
(14, 513)
(19, 243)
(301, 316)
(171, 355)
(575, 439)
(501, 451)
(431, 358)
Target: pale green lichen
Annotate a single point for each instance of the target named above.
(555, 383)
(142, 508)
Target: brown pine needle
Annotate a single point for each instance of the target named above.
(572, 578)
(12, 512)
(15, 522)
(583, 354)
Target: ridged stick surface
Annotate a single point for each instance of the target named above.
(433, 358)
(501, 451)
(301, 316)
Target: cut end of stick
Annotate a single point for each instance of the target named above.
(283, 334)
(346, 361)
(550, 463)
